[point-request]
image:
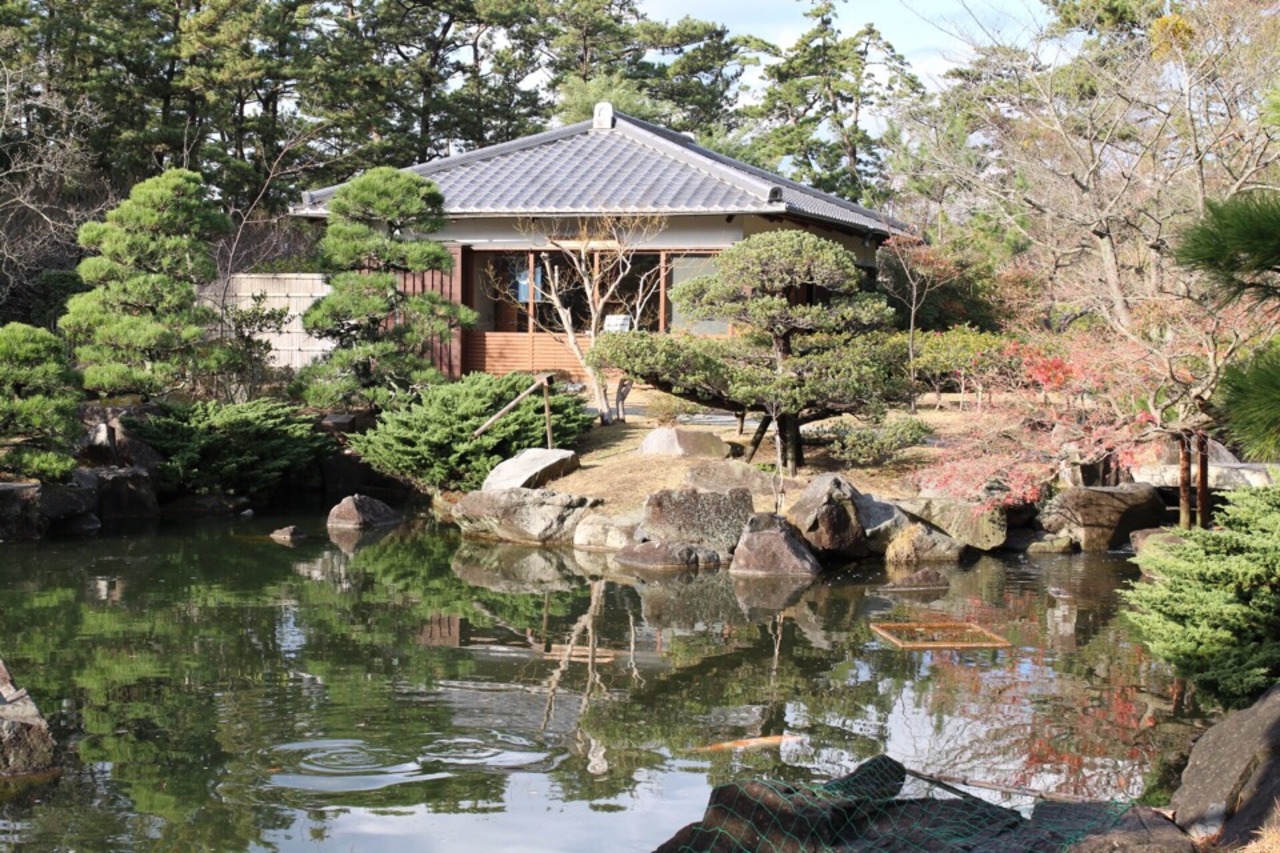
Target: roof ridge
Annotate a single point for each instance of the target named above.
(687, 151)
(739, 167)
(475, 155)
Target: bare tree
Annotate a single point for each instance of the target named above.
(910, 271)
(588, 271)
(47, 186)
(1094, 147)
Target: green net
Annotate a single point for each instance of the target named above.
(882, 806)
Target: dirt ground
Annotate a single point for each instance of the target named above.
(613, 471)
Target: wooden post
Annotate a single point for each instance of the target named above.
(1202, 480)
(546, 408)
(543, 379)
(1184, 481)
(665, 265)
(624, 388)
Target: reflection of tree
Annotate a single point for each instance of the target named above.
(187, 671)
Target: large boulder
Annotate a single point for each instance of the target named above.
(20, 516)
(25, 743)
(599, 532)
(532, 516)
(977, 525)
(124, 493)
(1029, 541)
(1232, 781)
(361, 512)
(826, 515)
(709, 520)
(920, 543)
(729, 474)
(530, 469)
(665, 556)
(881, 522)
(1102, 518)
(1163, 449)
(770, 545)
(673, 441)
(1222, 476)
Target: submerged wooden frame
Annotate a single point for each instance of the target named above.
(890, 631)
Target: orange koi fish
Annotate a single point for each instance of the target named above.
(750, 743)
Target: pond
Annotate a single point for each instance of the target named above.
(220, 691)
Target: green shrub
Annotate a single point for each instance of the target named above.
(863, 447)
(872, 445)
(430, 442)
(1214, 610)
(234, 448)
(39, 400)
(667, 409)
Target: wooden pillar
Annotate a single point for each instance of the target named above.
(664, 274)
(1184, 481)
(530, 306)
(1202, 480)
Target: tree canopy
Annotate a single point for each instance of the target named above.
(381, 333)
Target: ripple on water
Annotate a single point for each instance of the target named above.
(497, 750)
(339, 765)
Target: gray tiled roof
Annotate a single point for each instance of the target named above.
(631, 167)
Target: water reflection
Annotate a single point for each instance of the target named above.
(220, 691)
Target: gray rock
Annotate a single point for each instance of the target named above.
(1139, 830)
(881, 521)
(194, 506)
(133, 451)
(968, 522)
(1038, 542)
(59, 502)
(1162, 449)
(1102, 518)
(1153, 537)
(25, 743)
(1232, 780)
(290, 535)
(361, 512)
(530, 469)
(1222, 476)
(729, 474)
(532, 516)
(920, 543)
(826, 515)
(667, 556)
(709, 520)
(599, 532)
(927, 578)
(85, 524)
(673, 441)
(125, 493)
(20, 516)
(770, 545)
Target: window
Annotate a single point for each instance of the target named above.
(683, 268)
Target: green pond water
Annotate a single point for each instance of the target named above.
(217, 691)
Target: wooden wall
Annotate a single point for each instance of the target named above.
(447, 350)
(508, 352)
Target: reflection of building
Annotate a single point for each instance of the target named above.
(448, 631)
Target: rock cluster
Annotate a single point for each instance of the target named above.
(25, 743)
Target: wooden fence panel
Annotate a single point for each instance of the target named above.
(508, 352)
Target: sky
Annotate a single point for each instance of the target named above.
(929, 33)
